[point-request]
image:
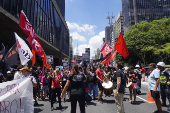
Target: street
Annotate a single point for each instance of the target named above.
(108, 105)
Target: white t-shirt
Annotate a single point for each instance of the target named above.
(18, 75)
(29, 77)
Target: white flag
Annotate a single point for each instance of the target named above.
(24, 51)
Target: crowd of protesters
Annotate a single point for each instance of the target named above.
(80, 80)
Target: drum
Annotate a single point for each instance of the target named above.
(131, 85)
(108, 88)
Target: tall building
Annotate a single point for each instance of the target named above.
(139, 10)
(117, 27)
(61, 5)
(108, 33)
(47, 19)
(71, 48)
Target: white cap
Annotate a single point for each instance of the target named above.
(137, 65)
(126, 68)
(162, 64)
(8, 72)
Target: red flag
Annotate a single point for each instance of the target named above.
(26, 26)
(109, 58)
(45, 61)
(106, 49)
(48, 66)
(121, 46)
(45, 64)
(107, 65)
(28, 30)
(33, 58)
(36, 46)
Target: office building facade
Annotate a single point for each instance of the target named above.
(108, 34)
(47, 20)
(117, 28)
(141, 10)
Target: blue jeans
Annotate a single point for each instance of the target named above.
(96, 90)
(92, 87)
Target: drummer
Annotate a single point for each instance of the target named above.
(133, 77)
(107, 74)
(100, 80)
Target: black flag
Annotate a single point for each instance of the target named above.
(2, 51)
(12, 57)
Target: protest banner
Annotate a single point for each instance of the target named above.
(65, 62)
(16, 96)
(87, 50)
(50, 58)
(79, 59)
(73, 62)
(86, 58)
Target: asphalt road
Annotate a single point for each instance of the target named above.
(108, 106)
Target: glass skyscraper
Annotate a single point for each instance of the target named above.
(47, 19)
(61, 5)
(148, 10)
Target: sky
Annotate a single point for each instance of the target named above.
(86, 20)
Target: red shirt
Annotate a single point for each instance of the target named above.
(143, 70)
(55, 83)
(100, 74)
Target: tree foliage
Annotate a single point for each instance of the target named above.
(148, 42)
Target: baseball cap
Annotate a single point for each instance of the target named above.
(25, 68)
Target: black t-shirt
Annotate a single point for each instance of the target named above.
(117, 74)
(10, 78)
(132, 77)
(92, 76)
(64, 80)
(77, 84)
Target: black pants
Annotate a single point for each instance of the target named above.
(81, 100)
(53, 95)
(164, 94)
(139, 83)
(50, 93)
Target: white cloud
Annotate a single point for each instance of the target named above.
(78, 37)
(94, 43)
(68, 0)
(81, 49)
(89, 29)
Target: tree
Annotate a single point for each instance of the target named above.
(148, 42)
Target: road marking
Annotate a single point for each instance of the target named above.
(144, 83)
(142, 98)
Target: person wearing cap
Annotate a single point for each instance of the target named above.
(164, 79)
(154, 86)
(27, 74)
(139, 78)
(9, 76)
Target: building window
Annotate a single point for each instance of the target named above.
(7, 4)
(14, 8)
